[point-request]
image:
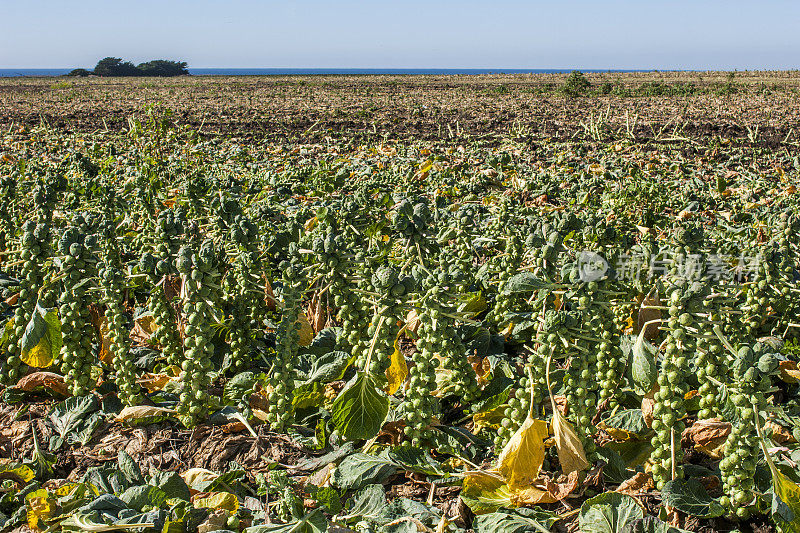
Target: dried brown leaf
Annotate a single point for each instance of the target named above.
(639, 483)
(646, 314)
(43, 380)
(706, 432)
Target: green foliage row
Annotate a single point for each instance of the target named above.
(429, 306)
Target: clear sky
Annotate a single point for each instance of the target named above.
(679, 34)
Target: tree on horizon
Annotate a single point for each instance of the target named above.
(117, 67)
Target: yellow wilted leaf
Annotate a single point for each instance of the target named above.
(487, 491)
(571, 454)
(42, 339)
(196, 476)
(260, 414)
(531, 496)
(16, 472)
(306, 331)
(522, 458)
(68, 488)
(138, 412)
(616, 433)
(311, 223)
(596, 169)
(398, 369)
(105, 342)
(788, 493)
(317, 314)
(472, 307)
(157, 382)
(482, 367)
(639, 483)
(40, 356)
(412, 321)
(40, 507)
(488, 419)
(218, 500)
(780, 434)
(5, 333)
(143, 328)
(786, 512)
(713, 449)
(789, 371)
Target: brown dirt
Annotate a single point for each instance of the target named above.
(524, 106)
(161, 446)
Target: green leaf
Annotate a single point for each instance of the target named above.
(141, 495)
(494, 394)
(727, 409)
(106, 503)
(614, 470)
(330, 367)
(609, 512)
(42, 461)
(367, 503)
(313, 522)
(400, 508)
(105, 479)
(129, 468)
(69, 417)
(524, 282)
(308, 395)
(360, 469)
(172, 484)
(515, 522)
(630, 420)
(416, 460)
(360, 409)
(643, 364)
(84, 433)
(41, 341)
(328, 497)
(650, 524)
(324, 342)
(690, 497)
(240, 386)
(334, 456)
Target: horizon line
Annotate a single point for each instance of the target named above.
(610, 69)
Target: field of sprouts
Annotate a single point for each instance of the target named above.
(370, 330)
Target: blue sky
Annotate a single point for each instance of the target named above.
(640, 34)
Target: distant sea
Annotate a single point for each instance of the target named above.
(12, 72)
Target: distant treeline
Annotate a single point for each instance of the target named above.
(116, 67)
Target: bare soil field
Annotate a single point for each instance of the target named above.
(756, 107)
